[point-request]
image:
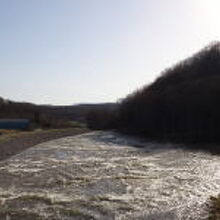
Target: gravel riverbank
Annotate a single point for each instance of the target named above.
(11, 144)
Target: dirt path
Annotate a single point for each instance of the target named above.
(104, 175)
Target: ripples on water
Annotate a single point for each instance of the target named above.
(123, 177)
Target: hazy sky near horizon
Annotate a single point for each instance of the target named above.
(77, 51)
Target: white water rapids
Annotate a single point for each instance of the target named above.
(106, 175)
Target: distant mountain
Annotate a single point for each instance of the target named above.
(76, 112)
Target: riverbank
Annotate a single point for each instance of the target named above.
(12, 143)
(215, 208)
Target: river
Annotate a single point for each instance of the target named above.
(106, 175)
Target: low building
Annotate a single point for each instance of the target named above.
(15, 124)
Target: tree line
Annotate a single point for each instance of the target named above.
(182, 104)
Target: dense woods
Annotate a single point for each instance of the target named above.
(183, 104)
(102, 118)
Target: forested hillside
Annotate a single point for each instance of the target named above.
(182, 104)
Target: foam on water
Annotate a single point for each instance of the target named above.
(105, 174)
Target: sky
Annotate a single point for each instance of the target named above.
(65, 52)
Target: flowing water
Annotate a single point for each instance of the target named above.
(106, 175)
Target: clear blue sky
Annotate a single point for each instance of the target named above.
(76, 51)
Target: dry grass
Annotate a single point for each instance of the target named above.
(215, 208)
(9, 134)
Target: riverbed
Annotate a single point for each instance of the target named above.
(107, 175)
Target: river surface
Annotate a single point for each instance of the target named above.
(106, 175)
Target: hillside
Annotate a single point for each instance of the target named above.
(51, 116)
(11, 109)
(75, 112)
(183, 104)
